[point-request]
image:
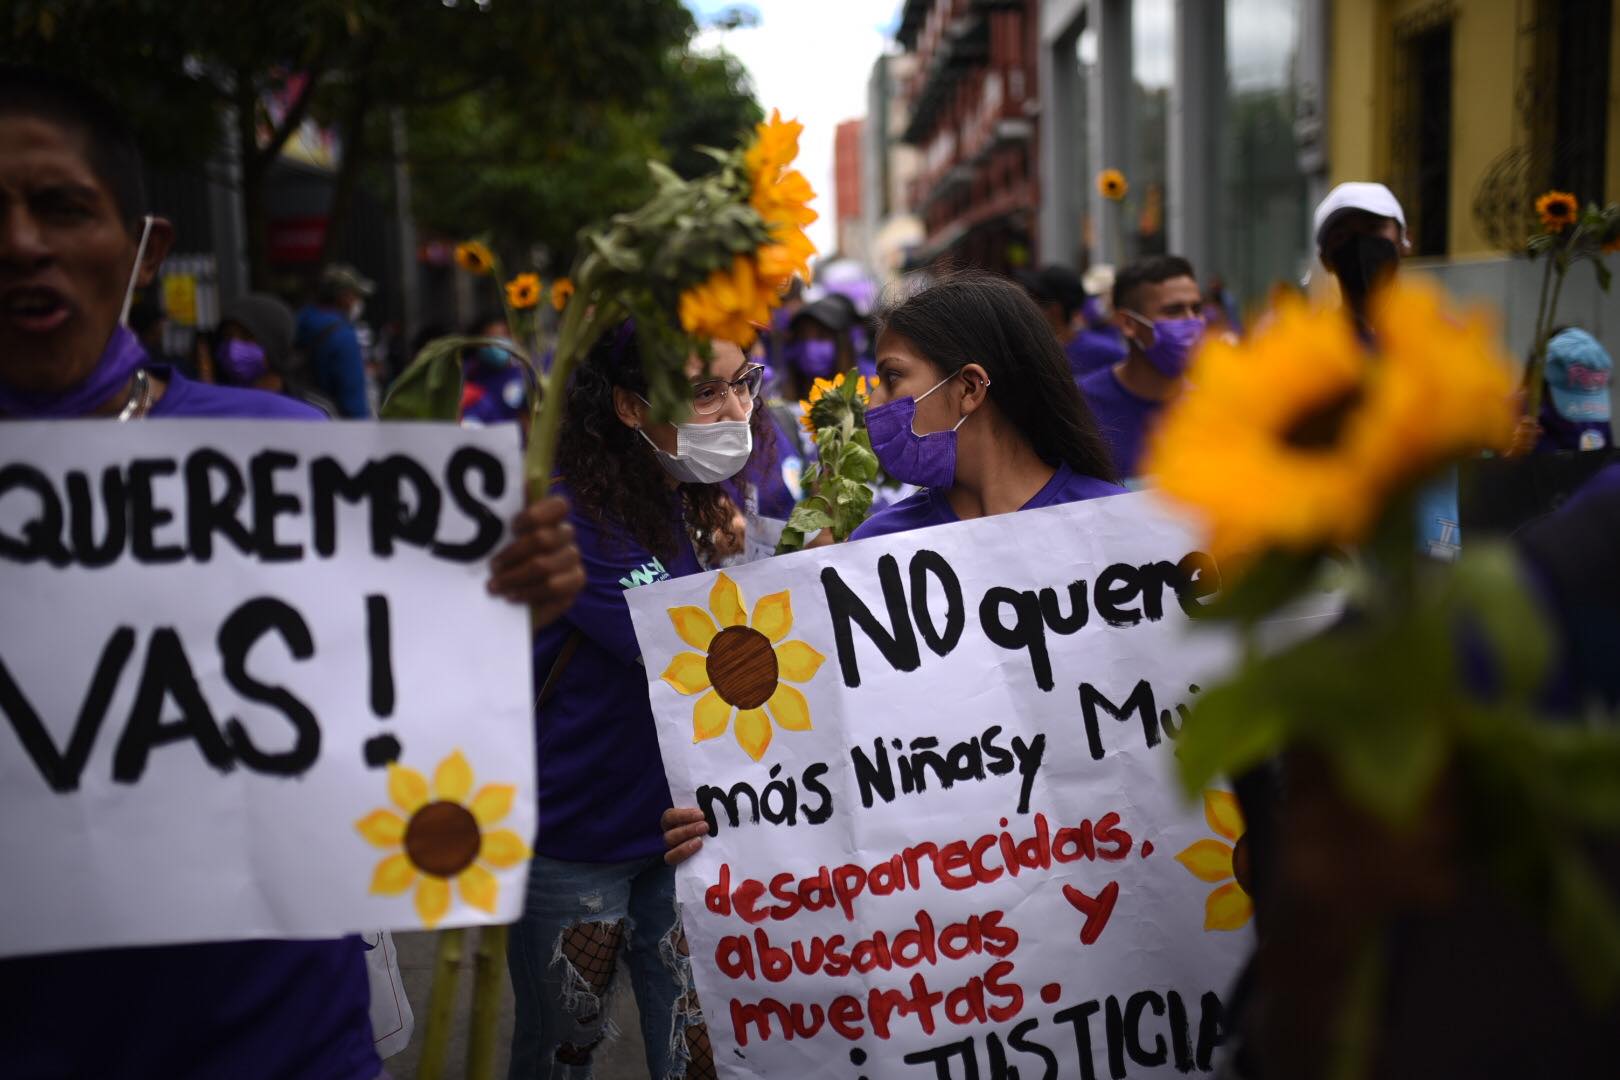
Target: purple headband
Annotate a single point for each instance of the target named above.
(118, 362)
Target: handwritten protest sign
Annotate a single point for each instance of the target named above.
(937, 769)
(251, 683)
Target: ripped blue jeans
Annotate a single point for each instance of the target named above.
(578, 920)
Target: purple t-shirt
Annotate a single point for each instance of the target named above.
(1090, 350)
(930, 507)
(250, 1010)
(1122, 418)
(601, 777)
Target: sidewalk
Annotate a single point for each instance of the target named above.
(619, 1059)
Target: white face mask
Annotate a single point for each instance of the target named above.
(707, 453)
(135, 274)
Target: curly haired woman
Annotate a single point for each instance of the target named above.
(647, 505)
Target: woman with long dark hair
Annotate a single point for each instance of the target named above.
(974, 404)
(646, 505)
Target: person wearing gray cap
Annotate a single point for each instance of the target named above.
(254, 347)
(326, 335)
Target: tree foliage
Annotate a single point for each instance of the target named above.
(522, 113)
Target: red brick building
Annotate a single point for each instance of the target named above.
(847, 188)
(972, 104)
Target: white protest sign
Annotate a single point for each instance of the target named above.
(252, 685)
(939, 770)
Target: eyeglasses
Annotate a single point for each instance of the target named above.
(709, 397)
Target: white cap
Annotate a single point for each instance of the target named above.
(1358, 195)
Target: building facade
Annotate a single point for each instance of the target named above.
(971, 105)
(848, 169)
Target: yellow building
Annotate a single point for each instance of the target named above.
(1470, 108)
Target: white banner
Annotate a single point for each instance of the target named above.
(252, 684)
(938, 767)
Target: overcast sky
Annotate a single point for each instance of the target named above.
(811, 59)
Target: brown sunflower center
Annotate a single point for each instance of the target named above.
(442, 839)
(742, 667)
(1240, 864)
(1320, 428)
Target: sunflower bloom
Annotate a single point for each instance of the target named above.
(1296, 438)
(1557, 210)
(443, 836)
(781, 196)
(742, 667)
(729, 305)
(523, 291)
(1228, 906)
(561, 290)
(475, 258)
(1111, 185)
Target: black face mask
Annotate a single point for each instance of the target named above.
(1363, 263)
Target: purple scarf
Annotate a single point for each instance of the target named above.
(118, 362)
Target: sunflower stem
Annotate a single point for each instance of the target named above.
(486, 1002)
(441, 1004)
(583, 323)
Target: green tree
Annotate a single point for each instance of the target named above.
(180, 67)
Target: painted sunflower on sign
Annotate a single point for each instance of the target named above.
(443, 837)
(739, 667)
(1217, 862)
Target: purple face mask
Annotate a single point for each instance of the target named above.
(924, 460)
(242, 362)
(817, 359)
(1173, 342)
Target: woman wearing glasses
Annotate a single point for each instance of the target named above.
(647, 505)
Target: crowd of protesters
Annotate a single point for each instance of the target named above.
(990, 395)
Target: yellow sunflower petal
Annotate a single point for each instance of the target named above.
(479, 888)
(503, 849)
(432, 900)
(453, 779)
(709, 716)
(1209, 860)
(407, 787)
(694, 626)
(789, 709)
(726, 603)
(753, 732)
(773, 615)
(1228, 908)
(493, 802)
(796, 661)
(382, 828)
(393, 875)
(1222, 812)
(688, 673)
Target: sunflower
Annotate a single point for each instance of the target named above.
(1557, 210)
(781, 197)
(741, 666)
(474, 257)
(523, 291)
(1295, 438)
(1229, 906)
(821, 387)
(1111, 185)
(729, 305)
(443, 836)
(561, 290)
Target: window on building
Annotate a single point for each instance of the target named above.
(1423, 129)
(1581, 95)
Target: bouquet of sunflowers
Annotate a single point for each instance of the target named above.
(702, 259)
(838, 484)
(1300, 453)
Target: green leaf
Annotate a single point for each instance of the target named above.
(1583, 921)
(1601, 269)
(430, 388)
(1490, 586)
(1269, 583)
(808, 518)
